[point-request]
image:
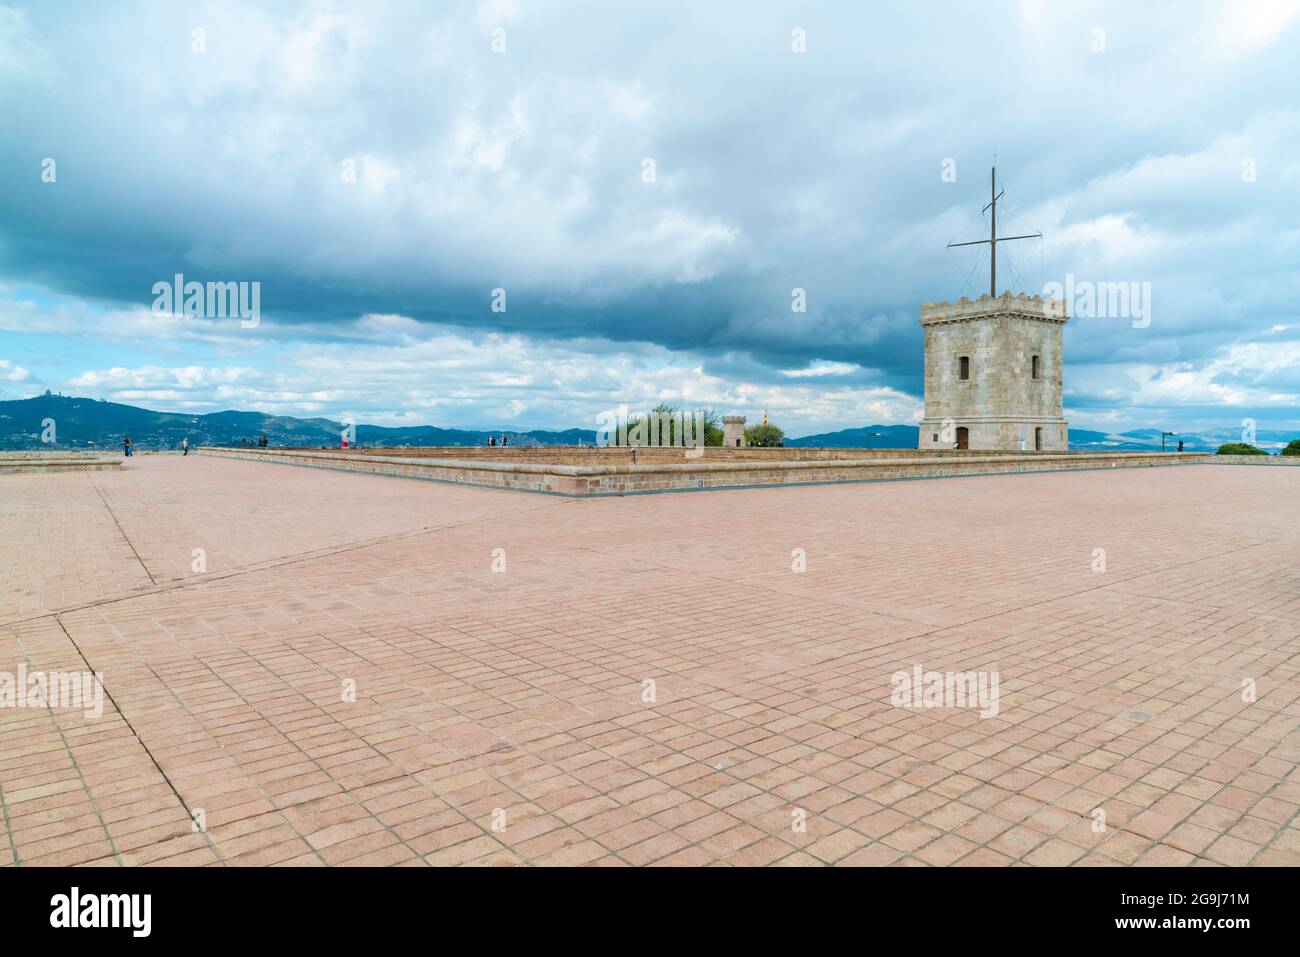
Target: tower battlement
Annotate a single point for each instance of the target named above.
(1022, 305)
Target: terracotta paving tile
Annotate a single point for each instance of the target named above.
(617, 838)
(1124, 847)
(874, 854)
(946, 850)
(835, 846)
(1231, 851)
(656, 848)
(760, 853)
(984, 857)
(1162, 855)
(982, 828)
(370, 692)
(799, 859)
(1016, 841)
(268, 854)
(1152, 824)
(1054, 854)
(911, 836)
(467, 851)
(697, 856)
(1191, 838)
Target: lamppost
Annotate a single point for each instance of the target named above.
(869, 435)
(1162, 439)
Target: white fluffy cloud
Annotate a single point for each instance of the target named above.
(12, 373)
(399, 372)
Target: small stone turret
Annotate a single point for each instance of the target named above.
(733, 431)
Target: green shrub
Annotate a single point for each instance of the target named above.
(1239, 448)
(1292, 447)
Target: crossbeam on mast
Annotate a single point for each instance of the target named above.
(994, 239)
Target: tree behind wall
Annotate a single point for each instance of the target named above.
(670, 411)
(766, 436)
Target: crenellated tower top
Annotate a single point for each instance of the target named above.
(1022, 305)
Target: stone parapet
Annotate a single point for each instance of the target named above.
(624, 479)
(20, 462)
(1257, 459)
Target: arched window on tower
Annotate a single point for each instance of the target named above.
(1034, 367)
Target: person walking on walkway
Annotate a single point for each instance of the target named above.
(126, 445)
(185, 446)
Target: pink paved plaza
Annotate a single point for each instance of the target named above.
(330, 668)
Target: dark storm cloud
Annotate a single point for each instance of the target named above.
(774, 170)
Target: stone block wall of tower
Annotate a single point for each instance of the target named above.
(995, 369)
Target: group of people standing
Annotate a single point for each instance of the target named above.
(128, 447)
(492, 440)
(260, 442)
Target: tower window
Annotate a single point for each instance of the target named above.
(964, 367)
(1034, 367)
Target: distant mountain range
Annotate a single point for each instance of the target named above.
(1206, 440)
(1081, 440)
(94, 423)
(873, 436)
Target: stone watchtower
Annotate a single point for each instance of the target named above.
(733, 431)
(993, 374)
(994, 367)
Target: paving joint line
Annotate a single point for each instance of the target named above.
(9, 829)
(189, 812)
(214, 739)
(167, 587)
(76, 765)
(103, 498)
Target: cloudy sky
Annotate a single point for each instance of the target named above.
(647, 182)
